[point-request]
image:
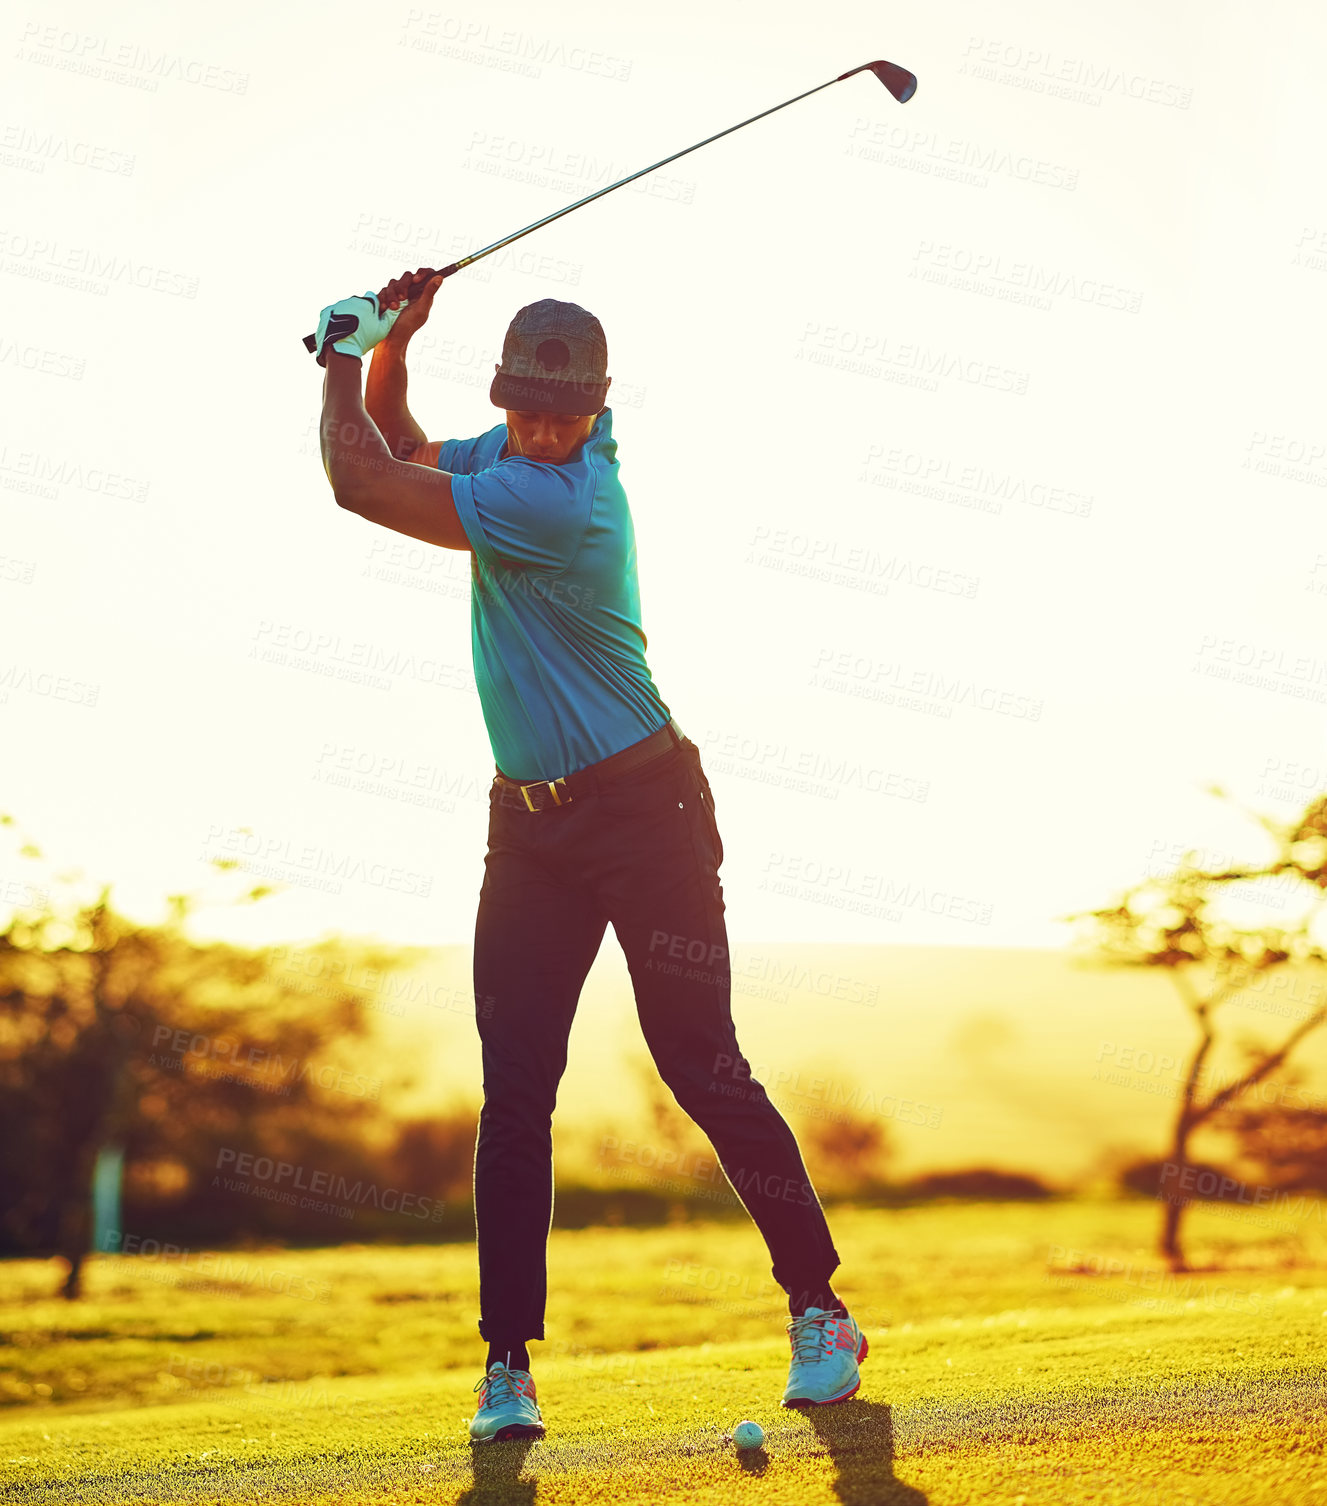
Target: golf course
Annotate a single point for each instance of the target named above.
(1020, 1353)
(713, 611)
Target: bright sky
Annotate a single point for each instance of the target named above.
(1006, 404)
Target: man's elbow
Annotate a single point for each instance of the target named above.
(348, 497)
(349, 491)
(355, 480)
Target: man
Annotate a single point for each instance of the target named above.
(599, 811)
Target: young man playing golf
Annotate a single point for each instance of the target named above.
(599, 811)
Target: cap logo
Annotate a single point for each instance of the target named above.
(552, 355)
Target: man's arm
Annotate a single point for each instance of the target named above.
(367, 480)
(384, 397)
(385, 386)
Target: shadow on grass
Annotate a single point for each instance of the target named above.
(753, 1461)
(859, 1437)
(498, 1469)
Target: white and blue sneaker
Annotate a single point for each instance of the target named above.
(827, 1350)
(507, 1407)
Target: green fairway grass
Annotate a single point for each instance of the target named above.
(1019, 1354)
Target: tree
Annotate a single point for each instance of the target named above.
(1185, 922)
(117, 1032)
(847, 1152)
(1287, 1144)
(434, 1154)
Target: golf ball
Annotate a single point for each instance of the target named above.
(748, 1435)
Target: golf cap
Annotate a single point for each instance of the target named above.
(554, 360)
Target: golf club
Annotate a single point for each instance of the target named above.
(900, 83)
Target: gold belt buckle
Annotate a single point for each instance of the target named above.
(551, 785)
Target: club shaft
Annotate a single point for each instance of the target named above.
(310, 340)
(600, 192)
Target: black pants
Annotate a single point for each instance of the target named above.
(642, 852)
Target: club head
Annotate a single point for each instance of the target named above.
(900, 83)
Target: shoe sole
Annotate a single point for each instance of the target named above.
(863, 1349)
(512, 1431)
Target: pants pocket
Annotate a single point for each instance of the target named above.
(706, 797)
(652, 786)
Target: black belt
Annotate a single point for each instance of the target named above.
(545, 794)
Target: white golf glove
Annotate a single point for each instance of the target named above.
(353, 326)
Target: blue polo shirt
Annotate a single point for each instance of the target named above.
(559, 652)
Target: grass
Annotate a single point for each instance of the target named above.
(1020, 1354)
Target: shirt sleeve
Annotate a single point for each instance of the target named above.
(459, 455)
(525, 512)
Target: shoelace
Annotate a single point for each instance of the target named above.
(501, 1388)
(812, 1338)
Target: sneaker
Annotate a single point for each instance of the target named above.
(507, 1407)
(826, 1352)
